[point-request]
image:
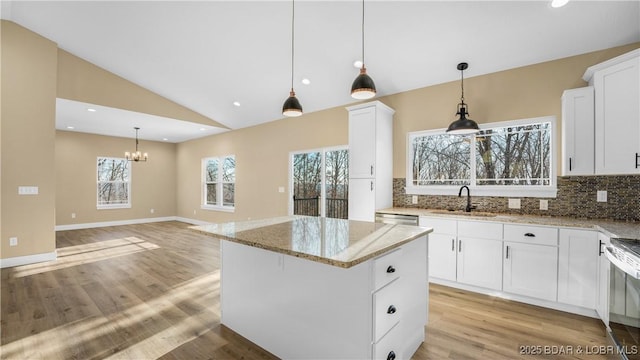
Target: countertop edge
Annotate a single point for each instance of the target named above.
(315, 258)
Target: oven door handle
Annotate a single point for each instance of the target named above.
(621, 264)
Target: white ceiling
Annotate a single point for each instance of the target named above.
(207, 54)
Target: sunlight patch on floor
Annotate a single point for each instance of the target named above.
(86, 253)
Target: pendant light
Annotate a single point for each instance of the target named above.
(291, 106)
(363, 86)
(137, 155)
(463, 126)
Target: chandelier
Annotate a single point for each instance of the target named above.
(137, 155)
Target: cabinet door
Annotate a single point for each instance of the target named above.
(578, 267)
(578, 131)
(602, 303)
(531, 270)
(480, 262)
(362, 204)
(617, 118)
(362, 142)
(442, 256)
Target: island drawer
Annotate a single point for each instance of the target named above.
(531, 234)
(387, 309)
(388, 348)
(387, 268)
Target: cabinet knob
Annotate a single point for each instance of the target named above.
(391, 269)
(391, 309)
(391, 356)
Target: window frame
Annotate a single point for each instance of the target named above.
(540, 191)
(129, 174)
(219, 185)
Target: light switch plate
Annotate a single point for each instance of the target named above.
(280, 189)
(13, 241)
(414, 199)
(601, 196)
(514, 203)
(27, 190)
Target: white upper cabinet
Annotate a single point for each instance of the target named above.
(617, 114)
(370, 159)
(578, 132)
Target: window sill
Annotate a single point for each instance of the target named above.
(110, 207)
(229, 209)
(488, 190)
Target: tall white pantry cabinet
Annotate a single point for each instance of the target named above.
(370, 159)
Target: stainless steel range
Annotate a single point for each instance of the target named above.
(624, 296)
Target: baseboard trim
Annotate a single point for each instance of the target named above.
(27, 260)
(523, 299)
(114, 223)
(191, 221)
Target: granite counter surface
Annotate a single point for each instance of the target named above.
(616, 229)
(337, 242)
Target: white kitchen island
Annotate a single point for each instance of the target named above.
(317, 288)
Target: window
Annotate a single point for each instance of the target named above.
(514, 158)
(219, 178)
(320, 183)
(114, 183)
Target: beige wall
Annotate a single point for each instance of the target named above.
(153, 183)
(262, 151)
(27, 147)
(262, 154)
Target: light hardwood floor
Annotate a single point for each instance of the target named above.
(151, 291)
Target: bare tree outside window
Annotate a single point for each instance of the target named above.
(113, 182)
(441, 159)
(336, 183)
(219, 182)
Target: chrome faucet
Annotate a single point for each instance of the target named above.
(469, 206)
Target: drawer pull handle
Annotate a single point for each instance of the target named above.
(391, 269)
(530, 235)
(507, 251)
(453, 244)
(600, 252)
(391, 309)
(459, 245)
(570, 164)
(637, 158)
(391, 356)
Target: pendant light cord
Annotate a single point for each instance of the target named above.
(462, 86)
(363, 34)
(293, 16)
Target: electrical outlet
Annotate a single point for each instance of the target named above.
(280, 189)
(414, 199)
(194, 212)
(27, 190)
(514, 203)
(73, 215)
(544, 204)
(601, 196)
(13, 241)
(152, 210)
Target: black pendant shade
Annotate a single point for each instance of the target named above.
(463, 126)
(363, 86)
(291, 106)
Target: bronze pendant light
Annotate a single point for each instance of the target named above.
(291, 106)
(363, 86)
(463, 126)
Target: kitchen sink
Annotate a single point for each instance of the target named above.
(463, 213)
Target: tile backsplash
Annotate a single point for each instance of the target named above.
(576, 198)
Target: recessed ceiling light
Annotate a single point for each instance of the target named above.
(165, 139)
(357, 64)
(202, 129)
(306, 81)
(70, 127)
(236, 103)
(558, 3)
(91, 110)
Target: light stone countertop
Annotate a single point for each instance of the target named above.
(337, 242)
(615, 229)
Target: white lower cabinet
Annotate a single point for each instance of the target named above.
(531, 261)
(531, 270)
(604, 273)
(578, 267)
(442, 247)
(480, 262)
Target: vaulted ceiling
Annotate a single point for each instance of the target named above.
(206, 55)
